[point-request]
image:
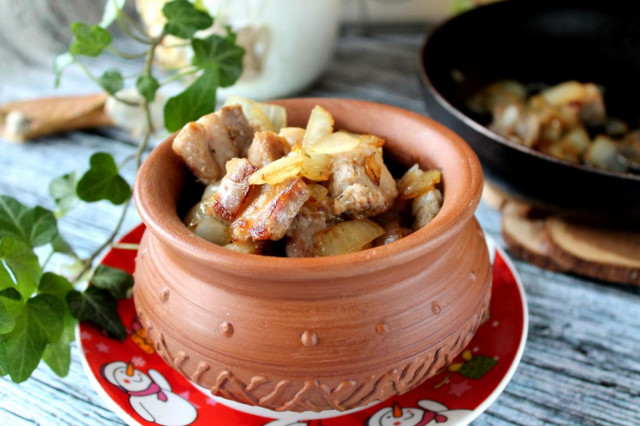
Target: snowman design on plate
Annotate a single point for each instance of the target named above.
(150, 395)
(430, 413)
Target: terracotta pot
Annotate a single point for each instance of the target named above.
(317, 333)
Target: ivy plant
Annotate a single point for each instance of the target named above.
(39, 309)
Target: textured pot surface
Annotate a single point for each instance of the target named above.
(317, 333)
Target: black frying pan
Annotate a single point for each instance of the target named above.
(545, 41)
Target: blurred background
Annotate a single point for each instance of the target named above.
(33, 32)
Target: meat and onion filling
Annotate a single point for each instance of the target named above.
(298, 192)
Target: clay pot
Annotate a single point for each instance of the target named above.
(317, 333)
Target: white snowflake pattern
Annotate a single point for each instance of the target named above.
(85, 335)
(102, 347)
(459, 389)
(138, 362)
(212, 402)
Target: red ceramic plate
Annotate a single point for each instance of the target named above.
(143, 390)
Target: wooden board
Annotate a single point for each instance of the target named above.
(552, 243)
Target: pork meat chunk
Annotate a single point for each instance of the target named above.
(314, 216)
(238, 127)
(192, 145)
(234, 190)
(270, 214)
(205, 147)
(220, 142)
(361, 184)
(266, 148)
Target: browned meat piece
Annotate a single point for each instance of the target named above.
(240, 132)
(205, 147)
(234, 190)
(220, 143)
(313, 217)
(270, 214)
(193, 146)
(361, 183)
(267, 147)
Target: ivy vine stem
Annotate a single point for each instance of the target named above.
(136, 25)
(180, 75)
(125, 55)
(95, 79)
(88, 263)
(121, 16)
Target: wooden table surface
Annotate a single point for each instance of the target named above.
(581, 364)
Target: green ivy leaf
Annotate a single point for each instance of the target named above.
(477, 367)
(60, 245)
(34, 227)
(88, 40)
(199, 4)
(7, 323)
(12, 301)
(115, 281)
(184, 19)
(147, 86)
(19, 266)
(39, 323)
(111, 81)
(11, 293)
(54, 284)
(231, 36)
(61, 62)
(221, 53)
(63, 191)
(197, 100)
(111, 10)
(99, 307)
(12, 304)
(4, 365)
(42, 225)
(102, 181)
(58, 355)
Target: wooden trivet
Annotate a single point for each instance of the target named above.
(552, 243)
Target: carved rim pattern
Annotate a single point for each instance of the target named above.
(312, 394)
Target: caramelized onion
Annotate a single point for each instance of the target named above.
(346, 237)
(319, 126)
(266, 116)
(416, 182)
(277, 171)
(207, 227)
(334, 143)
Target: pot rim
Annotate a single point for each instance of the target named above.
(461, 197)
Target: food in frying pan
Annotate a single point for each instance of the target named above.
(567, 121)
